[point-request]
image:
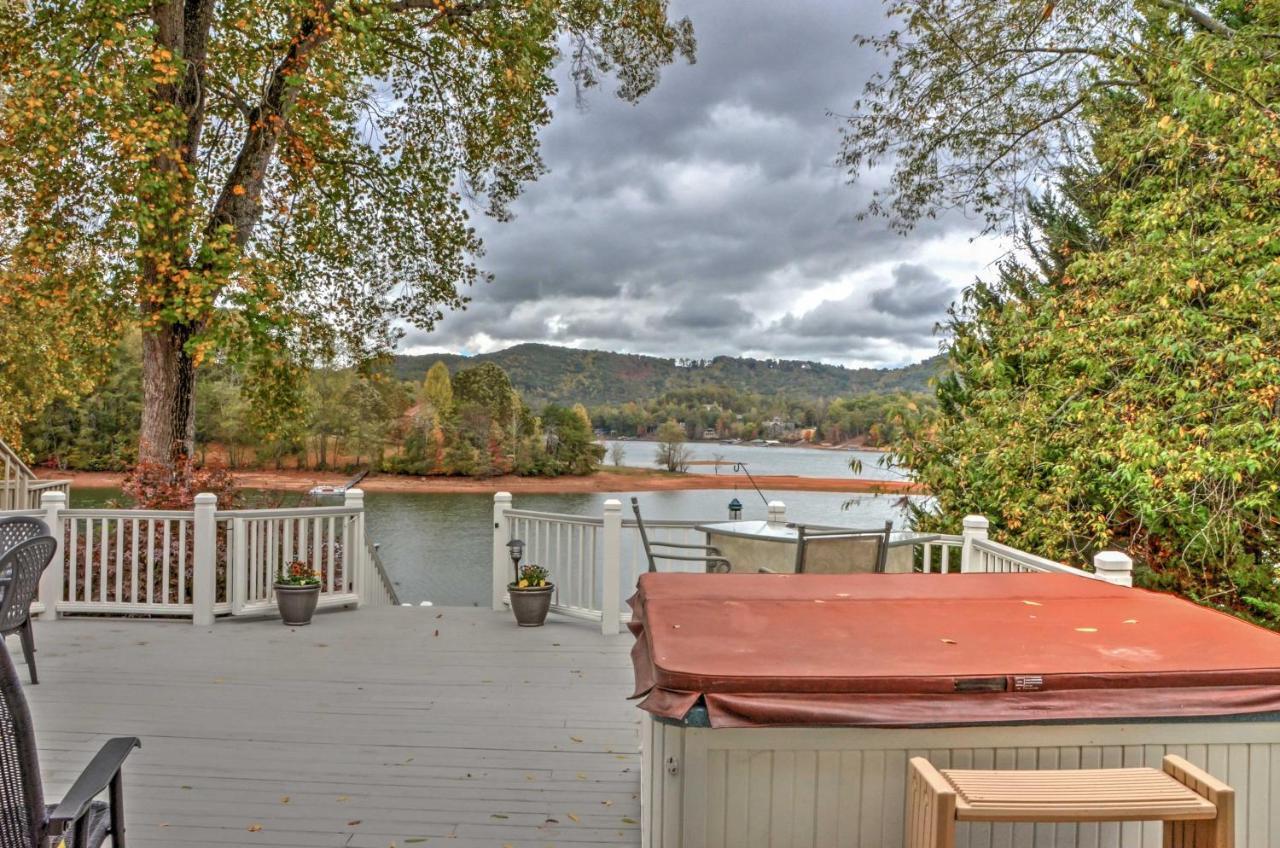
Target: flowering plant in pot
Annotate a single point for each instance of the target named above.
(530, 595)
(297, 592)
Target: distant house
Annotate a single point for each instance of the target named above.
(778, 426)
(710, 433)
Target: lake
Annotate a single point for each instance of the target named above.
(437, 547)
(780, 460)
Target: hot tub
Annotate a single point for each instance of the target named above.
(782, 709)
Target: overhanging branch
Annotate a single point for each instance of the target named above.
(1198, 16)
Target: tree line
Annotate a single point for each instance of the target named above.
(472, 424)
(873, 418)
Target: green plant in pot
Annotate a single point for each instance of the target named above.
(530, 595)
(297, 593)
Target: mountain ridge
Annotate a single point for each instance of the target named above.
(546, 373)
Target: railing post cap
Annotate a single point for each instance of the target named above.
(613, 505)
(1112, 561)
(777, 505)
(976, 522)
(206, 499)
(353, 495)
(53, 497)
(502, 497)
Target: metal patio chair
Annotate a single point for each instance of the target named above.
(842, 551)
(21, 567)
(710, 556)
(25, 820)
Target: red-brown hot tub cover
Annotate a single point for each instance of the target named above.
(886, 650)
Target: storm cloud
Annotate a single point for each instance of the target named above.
(710, 218)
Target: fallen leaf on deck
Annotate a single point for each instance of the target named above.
(353, 822)
(574, 818)
(255, 827)
(163, 824)
(1130, 621)
(498, 816)
(1086, 630)
(950, 642)
(629, 820)
(1033, 603)
(284, 799)
(576, 738)
(415, 840)
(343, 798)
(437, 633)
(607, 803)
(184, 787)
(581, 776)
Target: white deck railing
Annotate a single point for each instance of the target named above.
(595, 561)
(20, 489)
(203, 562)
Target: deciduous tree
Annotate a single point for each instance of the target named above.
(276, 180)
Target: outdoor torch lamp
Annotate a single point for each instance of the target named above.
(735, 509)
(516, 547)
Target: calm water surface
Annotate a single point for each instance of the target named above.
(799, 462)
(436, 547)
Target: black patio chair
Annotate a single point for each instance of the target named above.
(25, 820)
(21, 567)
(19, 528)
(841, 551)
(710, 555)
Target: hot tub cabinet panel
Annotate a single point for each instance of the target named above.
(820, 787)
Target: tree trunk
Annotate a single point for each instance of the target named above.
(168, 389)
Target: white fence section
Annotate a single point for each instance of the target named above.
(203, 562)
(20, 489)
(595, 561)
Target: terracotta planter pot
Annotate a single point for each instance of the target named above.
(530, 606)
(297, 603)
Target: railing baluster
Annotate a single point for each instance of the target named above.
(166, 547)
(88, 559)
(331, 553)
(103, 553)
(118, 523)
(182, 561)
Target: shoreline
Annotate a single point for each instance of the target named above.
(609, 480)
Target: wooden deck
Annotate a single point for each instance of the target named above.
(373, 728)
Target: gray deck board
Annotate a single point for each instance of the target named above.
(365, 730)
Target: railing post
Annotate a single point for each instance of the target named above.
(51, 581)
(204, 579)
(501, 557)
(611, 588)
(777, 512)
(975, 527)
(238, 566)
(1115, 567)
(359, 575)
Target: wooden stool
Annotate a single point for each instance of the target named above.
(1197, 809)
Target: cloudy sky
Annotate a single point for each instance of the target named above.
(710, 218)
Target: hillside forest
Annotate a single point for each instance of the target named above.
(460, 416)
